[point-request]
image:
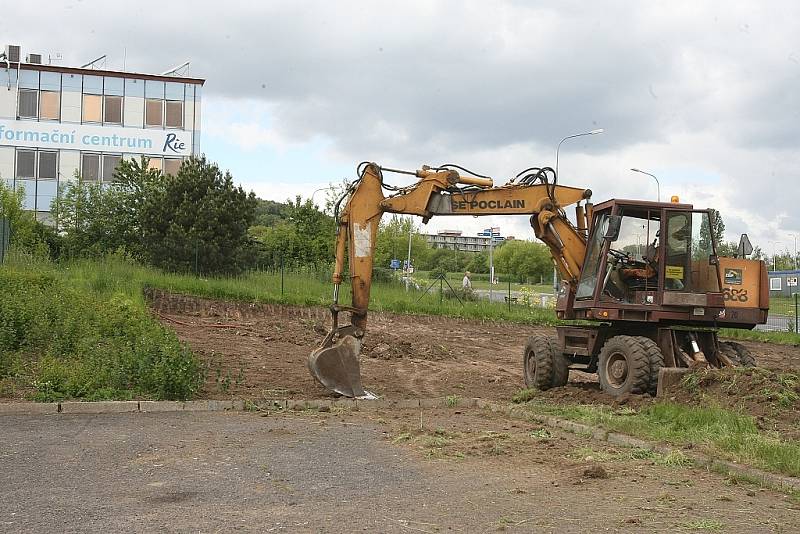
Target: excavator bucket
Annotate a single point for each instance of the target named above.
(335, 366)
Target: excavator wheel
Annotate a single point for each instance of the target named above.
(745, 357)
(624, 366)
(544, 366)
(560, 364)
(656, 359)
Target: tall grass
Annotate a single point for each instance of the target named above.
(782, 338)
(114, 275)
(59, 340)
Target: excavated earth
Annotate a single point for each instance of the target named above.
(260, 350)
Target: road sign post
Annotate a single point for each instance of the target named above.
(491, 233)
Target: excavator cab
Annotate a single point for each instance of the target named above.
(637, 251)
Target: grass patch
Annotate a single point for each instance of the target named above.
(674, 458)
(720, 432)
(780, 338)
(62, 341)
(305, 287)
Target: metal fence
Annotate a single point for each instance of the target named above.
(5, 238)
(783, 316)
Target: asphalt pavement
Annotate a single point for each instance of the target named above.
(213, 472)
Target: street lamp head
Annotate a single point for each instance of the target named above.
(634, 169)
(592, 132)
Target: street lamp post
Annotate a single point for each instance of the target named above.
(658, 185)
(408, 260)
(317, 191)
(593, 132)
(774, 259)
(558, 148)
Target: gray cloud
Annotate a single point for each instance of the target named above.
(486, 80)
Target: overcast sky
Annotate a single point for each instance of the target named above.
(705, 95)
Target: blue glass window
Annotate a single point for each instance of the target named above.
(46, 192)
(72, 82)
(29, 79)
(29, 201)
(113, 86)
(153, 89)
(51, 81)
(134, 88)
(174, 91)
(93, 85)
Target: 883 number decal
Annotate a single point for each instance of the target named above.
(738, 295)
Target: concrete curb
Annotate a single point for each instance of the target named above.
(107, 407)
(771, 480)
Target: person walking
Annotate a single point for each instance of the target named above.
(466, 284)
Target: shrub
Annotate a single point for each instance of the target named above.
(61, 342)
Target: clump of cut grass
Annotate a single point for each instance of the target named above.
(673, 458)
(524, 395)
(452, 401)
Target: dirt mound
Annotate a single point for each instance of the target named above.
(391, 346)
(590, 393)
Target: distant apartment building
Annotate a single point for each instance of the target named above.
(57, 122)
(453, 239)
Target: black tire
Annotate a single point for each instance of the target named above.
(560, 364)
(537, 361)
(726, 349)
(746, 358)
(624, 366)
(656, 359)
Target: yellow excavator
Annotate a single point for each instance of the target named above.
(643, 278)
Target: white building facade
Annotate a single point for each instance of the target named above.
(62, 123)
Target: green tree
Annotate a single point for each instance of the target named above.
(269, 213)
(26, 232)
(299, 233)
(392, 243)
(197, 220)
(717, 229)
(524, 260)
(436, 258)
(478, 262)
(96, 219)
(728, 249)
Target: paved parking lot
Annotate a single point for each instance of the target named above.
(217, 472)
